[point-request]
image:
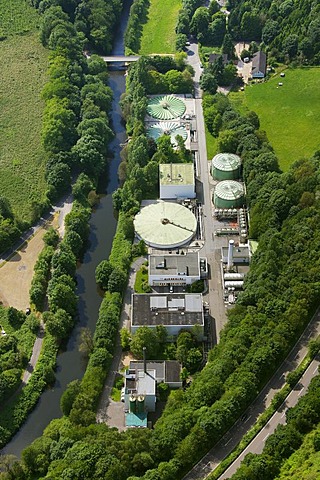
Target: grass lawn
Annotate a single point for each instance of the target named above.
(290, 114)
(22, 157)
(141, 279)
(17, 16)
(211, 143)
(158, 35)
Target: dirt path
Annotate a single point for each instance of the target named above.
(17, 271)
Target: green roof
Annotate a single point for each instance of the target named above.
(229, 190)
(226, 161)
(176, 174)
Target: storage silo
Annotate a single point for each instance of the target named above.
(228, 194)
(140, 404)
(132, 404)
(225, 166)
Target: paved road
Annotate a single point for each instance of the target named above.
(224, 447)
(210, 250)
(279, 418)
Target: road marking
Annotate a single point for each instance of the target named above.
(266, 437)
(315, 370)
(283, 414)
(228, 442)
(301, 391)
(247, 419)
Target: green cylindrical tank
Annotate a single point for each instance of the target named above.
(140, 404)
(228, 194)
(132, 404)
(225, 166)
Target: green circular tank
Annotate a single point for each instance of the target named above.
(225, 166)
(228, 194)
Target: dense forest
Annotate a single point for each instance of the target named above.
(288, 31)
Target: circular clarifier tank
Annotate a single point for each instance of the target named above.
(166, 107)
(167, 128)
(165, 225)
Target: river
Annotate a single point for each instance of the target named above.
(70, 365)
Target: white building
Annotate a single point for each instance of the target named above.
(174, 269)
(177, 180)
(174, 311)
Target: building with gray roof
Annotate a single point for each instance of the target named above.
(259, 65)
(174, 269)
(178, 311)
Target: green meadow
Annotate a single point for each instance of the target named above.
(158, 35)
(24, 65)
(290, 113)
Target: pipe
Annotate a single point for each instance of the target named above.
(230, 255)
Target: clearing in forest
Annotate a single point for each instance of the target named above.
(158, 35)
(24, 63)
(289, 113)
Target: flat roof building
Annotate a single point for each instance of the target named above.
(174, 269)
(240, 255)
(174, 311)
(177, 180)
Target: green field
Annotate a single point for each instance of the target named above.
(290, 113)
(17, 16)
(211, 143)
(158, 34)
(22, 157)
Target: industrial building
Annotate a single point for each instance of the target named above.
(140, 387)
(177, 181)
(228, 194)
(225, 166)
(235, 255)
(174, 269)
(165, 225)
(174, 311)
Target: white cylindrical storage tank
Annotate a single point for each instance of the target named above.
(233, 276)
(225, 166)
(235, 283)
(228, 194)
(165, 225)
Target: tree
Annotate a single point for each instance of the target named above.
(144, 337)
(125, 339)
(68, 396)
(209, 83)
(117, 280)
(103, 272)
(86, 342)
(51, 237)
(181, 40)
(290, 45)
